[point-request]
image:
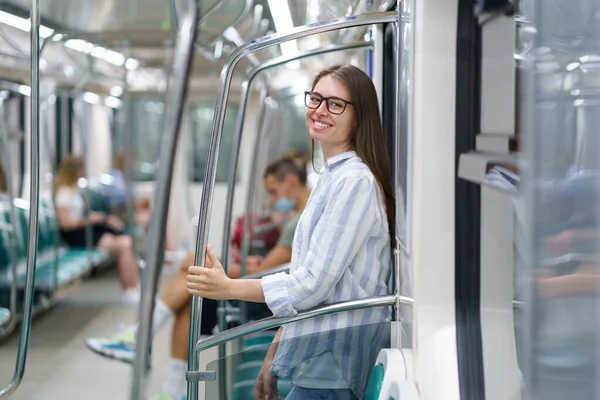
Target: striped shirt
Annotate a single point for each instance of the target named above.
(341, 251)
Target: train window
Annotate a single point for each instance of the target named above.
(201, 120)
(286, 126)
(146, 128)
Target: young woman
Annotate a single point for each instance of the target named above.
(106, 229)
(341, 251)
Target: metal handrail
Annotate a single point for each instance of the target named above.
(175, 102)
(215, 8)
(274, 322)
(270, 271)
(215, 141)
(260, 137)
(34, 190)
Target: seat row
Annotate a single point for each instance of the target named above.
(57, 265)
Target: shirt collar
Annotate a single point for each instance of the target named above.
(334, 160)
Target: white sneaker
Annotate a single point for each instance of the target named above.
(131, 296)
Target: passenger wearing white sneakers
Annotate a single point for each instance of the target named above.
(286, 184)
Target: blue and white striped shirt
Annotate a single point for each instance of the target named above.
(341, 251)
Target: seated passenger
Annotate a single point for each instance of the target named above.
(286, 185)
(106, 229)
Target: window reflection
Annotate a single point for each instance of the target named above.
(201, 118)
(146, 130)
(563, 113)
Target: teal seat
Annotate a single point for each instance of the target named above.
(254, 354)
(375, 383)
(264, 338)
(4, 316)
(5, 237)
(248, 371)
(53, 266)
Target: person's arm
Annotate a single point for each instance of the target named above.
(65, 221)
(278, 256)
(583, 282)
(342, 229)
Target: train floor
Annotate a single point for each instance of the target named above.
(60, 367)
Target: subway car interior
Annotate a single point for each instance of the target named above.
(134, 133)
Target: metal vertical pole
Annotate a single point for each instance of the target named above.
(175, 102)
(128, 140)
(34, 191)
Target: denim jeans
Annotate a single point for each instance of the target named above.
(300, 393)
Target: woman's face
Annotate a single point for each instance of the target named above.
(331, 130)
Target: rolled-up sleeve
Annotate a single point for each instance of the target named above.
(345, 225)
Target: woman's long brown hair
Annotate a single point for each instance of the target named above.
(366, 138)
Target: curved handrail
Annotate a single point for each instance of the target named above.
(274, 322)
(215, 141)
(266, 272)
(34, 191)
(201, 50)
(175, 101)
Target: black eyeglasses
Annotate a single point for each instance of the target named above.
(334, 105)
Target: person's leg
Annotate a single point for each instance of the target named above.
(174, 384)
(122, 248)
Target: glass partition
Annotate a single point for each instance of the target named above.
(343, 357)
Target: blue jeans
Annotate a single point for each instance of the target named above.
(300, 393)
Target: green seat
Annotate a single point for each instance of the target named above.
(4, 316)
(5, 238)
(375, 383)
(265, 338)
(52, 264)
(248, 371)
(254, 354)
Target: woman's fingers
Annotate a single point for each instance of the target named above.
(212, 258)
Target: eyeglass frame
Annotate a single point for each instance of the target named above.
(326, 99)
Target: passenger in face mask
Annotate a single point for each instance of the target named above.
(285, 182)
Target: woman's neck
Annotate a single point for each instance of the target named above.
(333, 151)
